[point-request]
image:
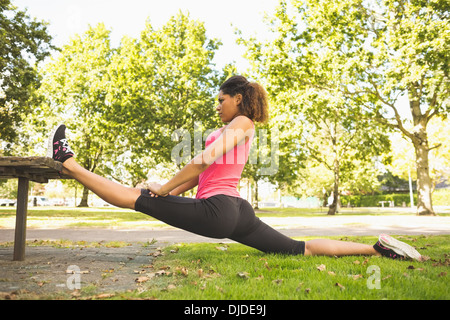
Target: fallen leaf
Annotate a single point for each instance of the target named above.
(108, 271)
(356, 262)
(142, 279)
(308, 290)
(222, 248)
(331, 273)
(183, 271)
(322, 267)
(243, 275)
(442, 274)
(340, 285)
(104, 295)
(68, 271)
(200, 272)
(267, 266)
(139, 271)
(160, 273)
(171, 287)
(357, 276)
(156, 254)
(387, 277)
(277, 281)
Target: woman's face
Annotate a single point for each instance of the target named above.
(228, 106)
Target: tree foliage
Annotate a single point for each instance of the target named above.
(123, 104)
(24, 43)
(369, 53)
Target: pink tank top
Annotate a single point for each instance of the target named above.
(222, 177)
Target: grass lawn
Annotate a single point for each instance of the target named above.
(236, 272)
(72, 217)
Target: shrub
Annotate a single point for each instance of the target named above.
(440, 197)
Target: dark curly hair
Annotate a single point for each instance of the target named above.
(254, 102)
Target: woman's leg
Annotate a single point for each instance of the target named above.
(255, 233)
(109, 191)
(326, 247)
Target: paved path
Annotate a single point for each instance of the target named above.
(292, 227)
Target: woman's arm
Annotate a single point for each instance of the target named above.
(184, 187)
(237, 131)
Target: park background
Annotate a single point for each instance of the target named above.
(359, 93)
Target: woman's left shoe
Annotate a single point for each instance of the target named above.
(395, 249)
(58, 147)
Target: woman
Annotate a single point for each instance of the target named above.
(218, 211)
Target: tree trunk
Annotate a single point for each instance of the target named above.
(419, 138)
(256, 195)
(84, 198)
(424, 185)
(334, 206)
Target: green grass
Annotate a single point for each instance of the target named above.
(76, 217)
(206, 271)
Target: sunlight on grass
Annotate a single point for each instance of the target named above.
(233, 271)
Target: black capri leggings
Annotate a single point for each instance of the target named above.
(218, 217)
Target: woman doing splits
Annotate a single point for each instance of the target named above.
(218, 211)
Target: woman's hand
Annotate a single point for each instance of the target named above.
(156, 190)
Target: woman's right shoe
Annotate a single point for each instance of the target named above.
(58, 147)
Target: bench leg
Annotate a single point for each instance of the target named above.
(21, 220)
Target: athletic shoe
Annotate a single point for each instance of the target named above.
(58, 147)
(395, 249)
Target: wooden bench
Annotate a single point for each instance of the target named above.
(26, 169)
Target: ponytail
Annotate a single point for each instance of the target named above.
(254, 102)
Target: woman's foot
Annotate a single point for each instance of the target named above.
(58, 147)
(395, 249)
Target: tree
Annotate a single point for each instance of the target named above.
(123, 104)
(275, 155)
(75, 86)
(164, 82)
(378, 50)
(24, 43)
(340, 136)
(331, 129)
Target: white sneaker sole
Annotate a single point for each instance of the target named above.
(50, 142)
(399, 247)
